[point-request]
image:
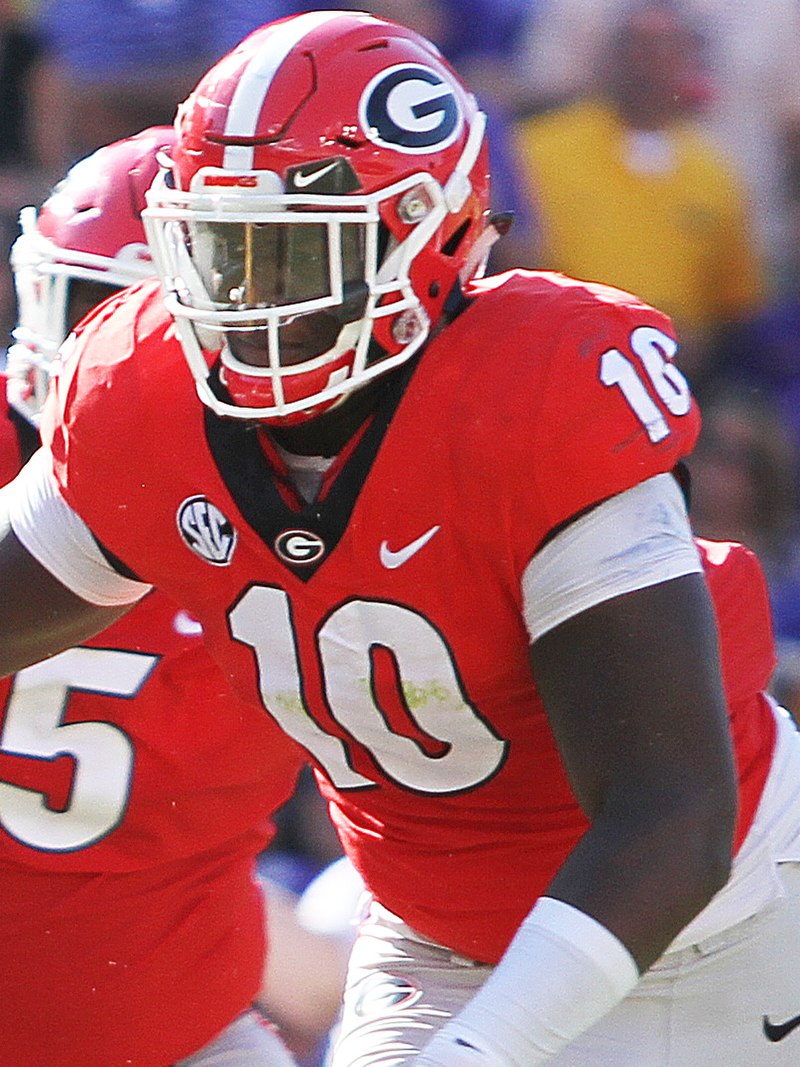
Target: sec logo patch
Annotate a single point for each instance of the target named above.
(206, 530)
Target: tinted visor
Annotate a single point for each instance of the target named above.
(251, 265)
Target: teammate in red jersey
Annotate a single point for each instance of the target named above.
(135, 789)
(432, 524)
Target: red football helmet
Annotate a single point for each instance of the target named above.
(328, 187)
(89, 230)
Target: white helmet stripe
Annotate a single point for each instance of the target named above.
(256, 79)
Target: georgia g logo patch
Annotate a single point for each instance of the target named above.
(299, 547)
(206, 531)
(410, 108)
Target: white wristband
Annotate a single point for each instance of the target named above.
(562, 972)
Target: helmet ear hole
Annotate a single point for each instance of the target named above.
(451, 245)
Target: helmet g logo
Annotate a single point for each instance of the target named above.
(410, 108)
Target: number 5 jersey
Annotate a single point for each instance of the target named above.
(135, 793)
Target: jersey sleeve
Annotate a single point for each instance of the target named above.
(614, 408)
(113, 404)
(60, 541)
(638, 538)
(10, 457)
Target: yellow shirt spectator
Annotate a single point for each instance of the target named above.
(657, 213)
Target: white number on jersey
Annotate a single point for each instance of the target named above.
(655, 350)
(467, 751)
(102, 753)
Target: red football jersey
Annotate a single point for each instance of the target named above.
(382, 625)
(10, 458)
(135, 793)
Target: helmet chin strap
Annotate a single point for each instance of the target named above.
(475, 263)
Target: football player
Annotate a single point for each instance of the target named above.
(433, 524)
(135, 789)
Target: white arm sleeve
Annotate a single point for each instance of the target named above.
(640, 537)
(562, 972)
(60, 540)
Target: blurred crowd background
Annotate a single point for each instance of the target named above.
(653, 145)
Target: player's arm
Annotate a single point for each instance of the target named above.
(40, 615)
(626, 659)
(624, 651)
(634, 697)
(56, 587)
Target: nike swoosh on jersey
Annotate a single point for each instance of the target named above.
(391, 559)
(302, 180)
(778, 1031)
